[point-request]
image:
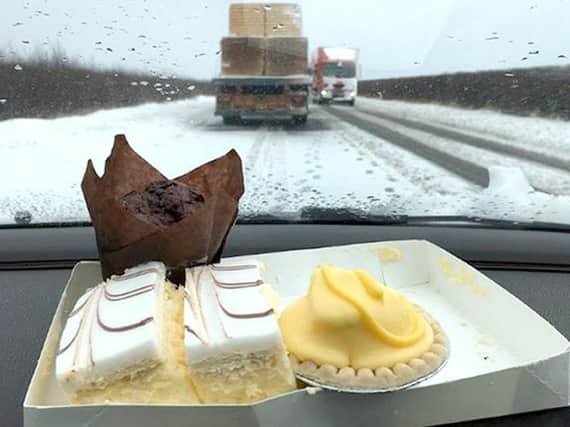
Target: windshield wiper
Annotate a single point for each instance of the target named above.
(320, 215)
(486, 222)
(350, 216)
(267, 218)
(317, 215)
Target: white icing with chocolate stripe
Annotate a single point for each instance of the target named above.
(225, 311)
(112, 329)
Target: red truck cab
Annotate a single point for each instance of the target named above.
(335, 75)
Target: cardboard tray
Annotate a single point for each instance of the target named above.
(505, 358)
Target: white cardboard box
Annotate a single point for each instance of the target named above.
(505, 358)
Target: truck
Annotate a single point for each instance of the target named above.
(335, 72)
(264, 65)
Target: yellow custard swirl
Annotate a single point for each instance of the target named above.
(349, 319)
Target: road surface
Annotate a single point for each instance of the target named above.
(381, 156)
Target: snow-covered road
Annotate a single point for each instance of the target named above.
(545, 170)
(329, 163)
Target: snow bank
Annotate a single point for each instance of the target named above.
(510, 196)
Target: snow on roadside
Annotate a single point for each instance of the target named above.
(510, 197)
(547, 136)
(42, 161)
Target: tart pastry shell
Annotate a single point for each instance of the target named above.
(382, 379)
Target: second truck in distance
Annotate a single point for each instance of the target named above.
(335, 72)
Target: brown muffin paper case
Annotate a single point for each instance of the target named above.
(139, 215)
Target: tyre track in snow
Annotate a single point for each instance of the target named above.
(253, 182)
(255, 150)
(474, 141)
(467, 170)
(276, 179)
(266, 172)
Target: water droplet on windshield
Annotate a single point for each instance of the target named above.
(23, 217)
(18, 67)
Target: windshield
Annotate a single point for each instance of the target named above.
(345, 70)
(460, 109)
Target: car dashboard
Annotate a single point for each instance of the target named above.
(35, 264)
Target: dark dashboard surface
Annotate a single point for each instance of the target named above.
(35, 264)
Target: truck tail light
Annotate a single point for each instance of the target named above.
(298, 100)
(224, 98)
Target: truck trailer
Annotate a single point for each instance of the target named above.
(264, 65)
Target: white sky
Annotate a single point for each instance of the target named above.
(395, 37)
